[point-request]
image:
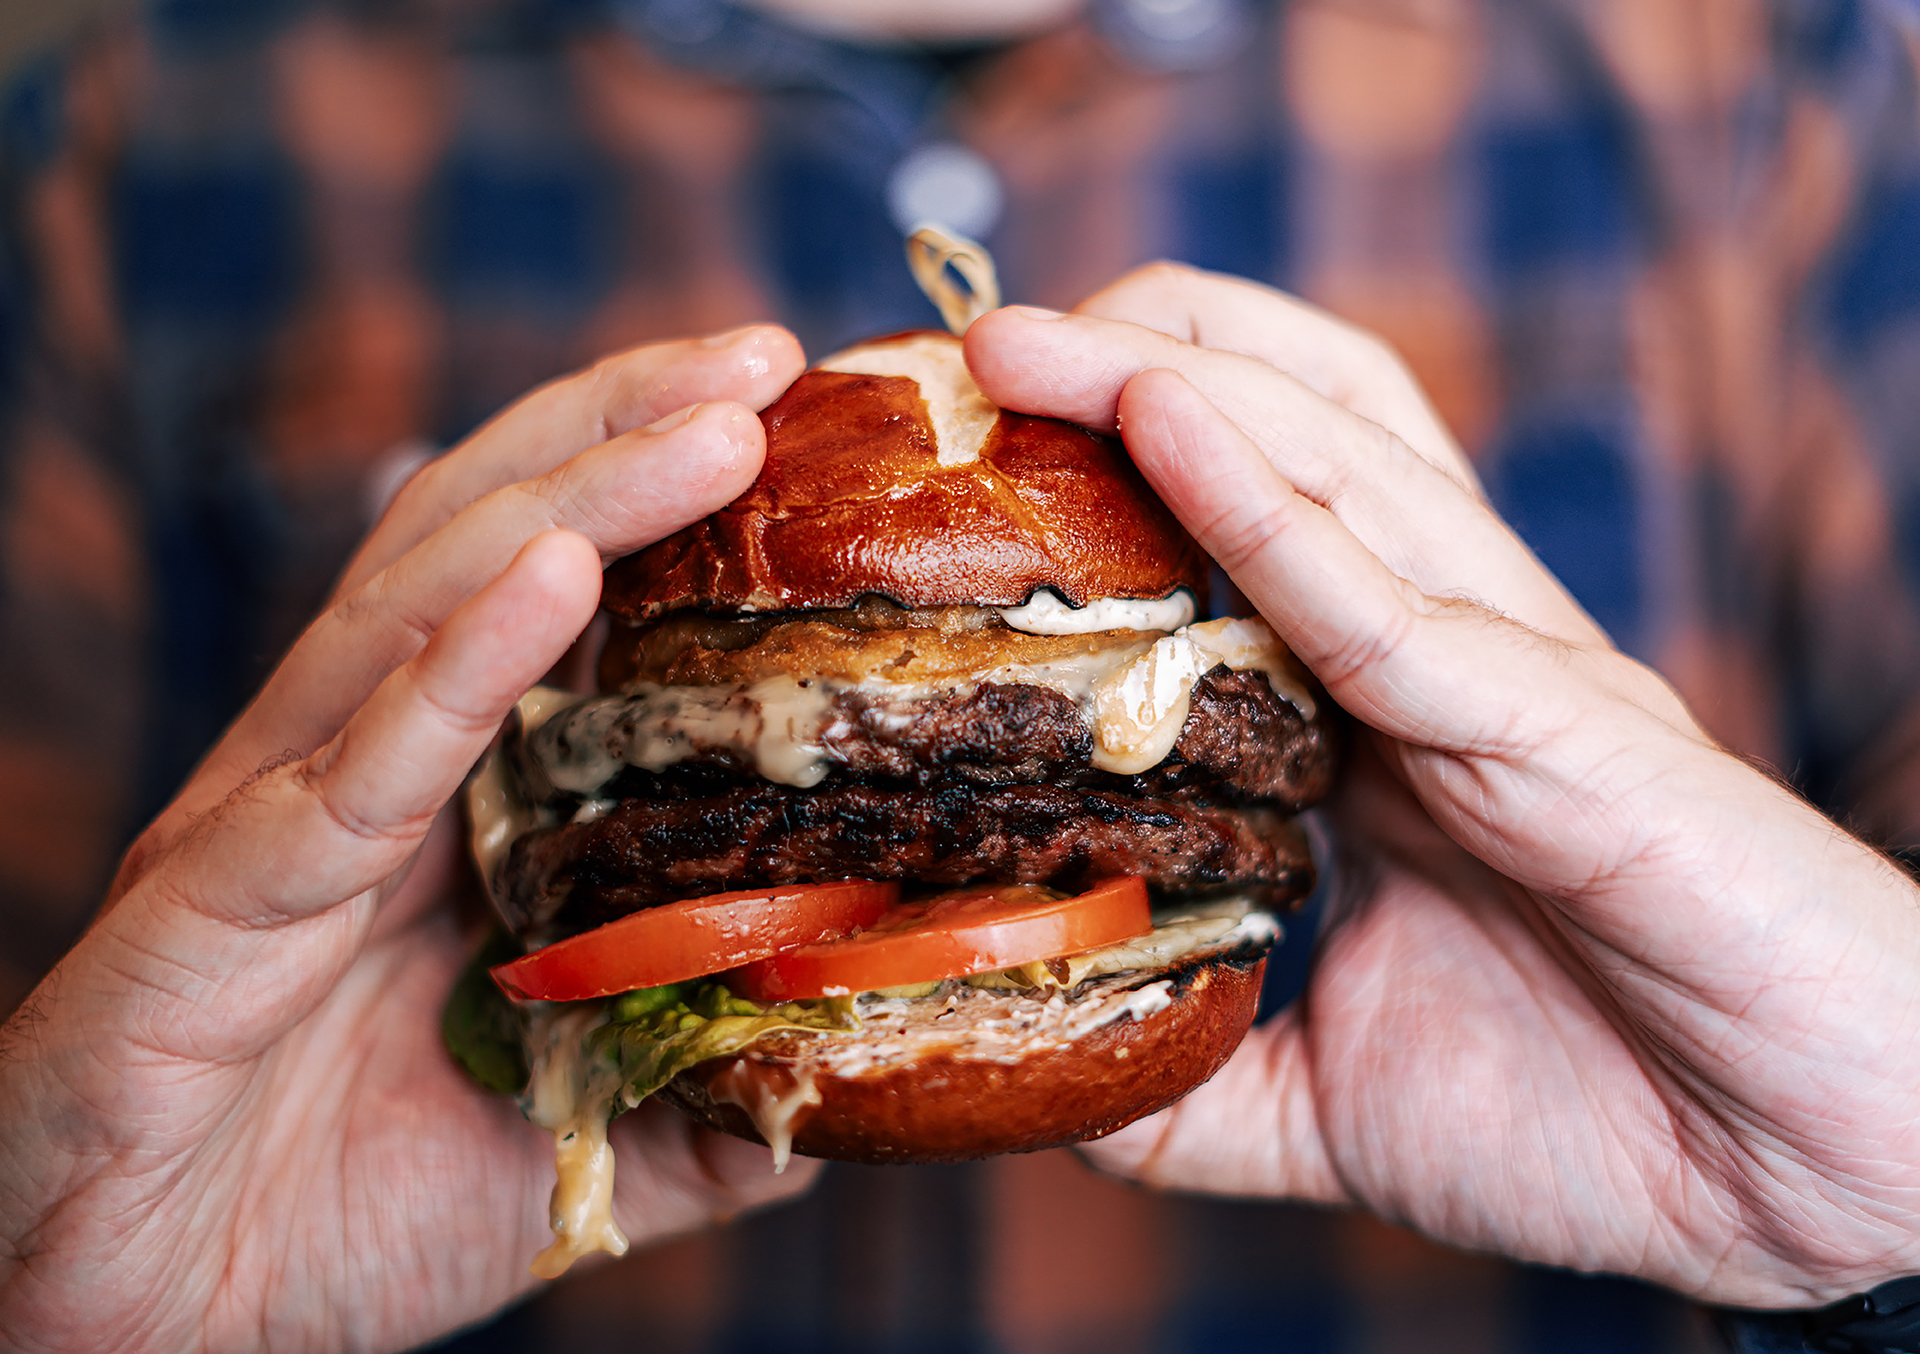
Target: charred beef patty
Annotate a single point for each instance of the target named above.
(643, 853)
(939, 748)
(1241, 743)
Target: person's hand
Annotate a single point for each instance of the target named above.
(228, 1121)
(1595, 992)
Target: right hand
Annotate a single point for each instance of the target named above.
(1594, 992)
(230, 1122)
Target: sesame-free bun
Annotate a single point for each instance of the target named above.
(1023, 1079)
(889, 473)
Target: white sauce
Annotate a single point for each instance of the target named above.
(775, 1113)
(571, 1095)
(1138, 712)
(1047, 613)
(961, 416)
(494, 807)
(775, 724)
(983, 1022)
(1222, 924)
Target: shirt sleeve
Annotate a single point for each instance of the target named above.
(1843, 543)
(1751, 1333)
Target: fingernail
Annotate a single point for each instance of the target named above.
(729, 338)
(1036, 313)
(674, 420)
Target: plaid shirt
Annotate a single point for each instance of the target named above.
(1658, 261)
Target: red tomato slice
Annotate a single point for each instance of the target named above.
(974, 931)
(694, 937)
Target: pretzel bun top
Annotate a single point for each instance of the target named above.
(889, 473)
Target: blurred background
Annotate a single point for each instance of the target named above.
(27, 26)
(264, 257)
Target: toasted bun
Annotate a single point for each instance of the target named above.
(878, 1097)
(889, 473)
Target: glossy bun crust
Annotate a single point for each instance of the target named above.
(947, 1106)
(855, 499)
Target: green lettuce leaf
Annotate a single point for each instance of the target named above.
(482, 1029)
(658, 1033)
(651, 1035)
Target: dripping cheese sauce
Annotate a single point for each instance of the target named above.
(1129, 666)
(1002, 1018)
(1133, 686)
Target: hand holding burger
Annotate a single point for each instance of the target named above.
(919, 817)
(1596, 992)
(229, 1121)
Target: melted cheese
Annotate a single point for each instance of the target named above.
(991, 1018)
(961, 416)
(1047, 613)
(495, 809)
(1139, 710)
(775, 1113)
(571, 1095)
(1135, 692)
(774, 724)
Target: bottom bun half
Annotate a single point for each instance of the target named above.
(975, 1073)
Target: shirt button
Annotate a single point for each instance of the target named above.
(1175, 35)
(947, 184)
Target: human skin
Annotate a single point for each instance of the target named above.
(1594, 991)
(229, 1122)
(1598, 993)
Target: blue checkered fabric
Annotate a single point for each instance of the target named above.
(1658, 262)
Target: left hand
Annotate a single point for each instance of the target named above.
(1595, 992)
(229, 1121)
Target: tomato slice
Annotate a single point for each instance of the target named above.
(973, 931)
(694, 937)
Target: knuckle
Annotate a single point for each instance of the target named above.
(605, 395)
(382, 603)
(317, 782)
(459, 718)
(601, 375)
(142, 857)
(423, 486)
(1363, 650)
(1239, 535)
(1165, 274)
(570, 498)
(1150, 289)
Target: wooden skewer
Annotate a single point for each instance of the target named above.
(931, 251)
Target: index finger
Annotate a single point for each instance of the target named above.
(1344, 363)
(1424, 522)
(558, 421)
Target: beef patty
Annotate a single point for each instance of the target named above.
(646, 852)
(1241, 743)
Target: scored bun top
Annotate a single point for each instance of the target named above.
(888, 472)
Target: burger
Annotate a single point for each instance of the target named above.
(920, 816)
